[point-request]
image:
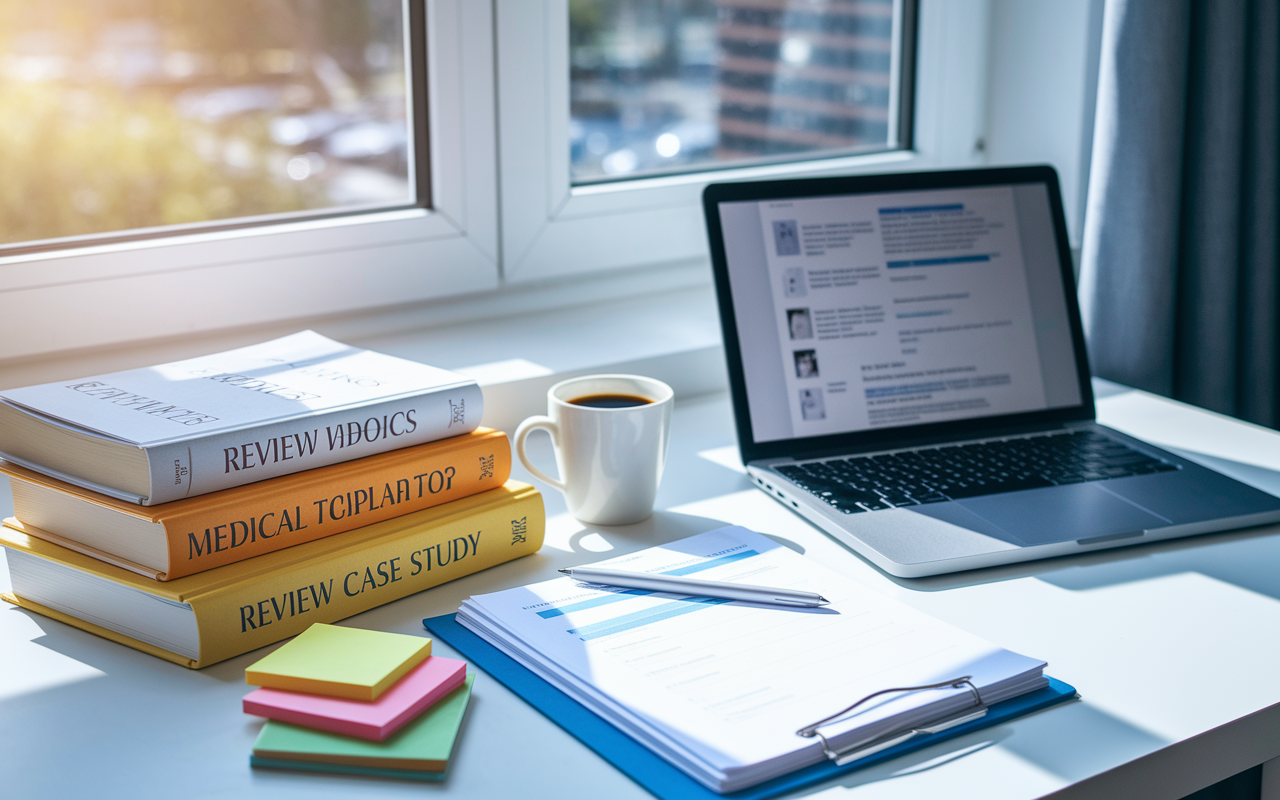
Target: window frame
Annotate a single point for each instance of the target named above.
(122, 291)
(505, 219)
(553, 229)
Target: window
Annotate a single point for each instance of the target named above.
(660, 86)
(504, 96)
(743, 88)
(127, 116)
(388, 232)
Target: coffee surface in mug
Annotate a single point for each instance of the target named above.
(610, 401)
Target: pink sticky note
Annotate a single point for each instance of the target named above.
(406, 699)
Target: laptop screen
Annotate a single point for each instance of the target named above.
(883, 310)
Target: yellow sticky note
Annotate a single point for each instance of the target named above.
(340, 662)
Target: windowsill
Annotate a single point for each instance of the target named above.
(659, 322)
(673, 336)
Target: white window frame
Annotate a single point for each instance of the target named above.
(552, 229)
(67, 299)
(504, 216)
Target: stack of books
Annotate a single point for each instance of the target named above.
(205, 508)
(356, 701)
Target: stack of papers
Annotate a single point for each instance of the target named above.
(720, 688)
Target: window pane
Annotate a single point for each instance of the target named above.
(675, 85)
(128, 114)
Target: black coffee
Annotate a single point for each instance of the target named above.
(611, 401)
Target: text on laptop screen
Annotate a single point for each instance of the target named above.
(873, 311)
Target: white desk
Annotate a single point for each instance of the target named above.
(1172, 646)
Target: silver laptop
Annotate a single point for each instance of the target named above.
(908, 373)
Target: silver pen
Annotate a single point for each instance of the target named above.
(674, 585)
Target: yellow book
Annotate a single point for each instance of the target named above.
(220, 613)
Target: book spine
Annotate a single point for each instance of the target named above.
(233, 458)
(344, 581)
(254, 520)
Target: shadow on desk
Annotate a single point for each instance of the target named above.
(1039, 742)
(661, 528)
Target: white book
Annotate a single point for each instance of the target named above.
(191, 427)
(720, 688)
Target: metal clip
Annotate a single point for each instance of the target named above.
(859, 750)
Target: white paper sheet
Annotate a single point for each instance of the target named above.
(721, 687)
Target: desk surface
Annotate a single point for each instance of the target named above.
(1171, 645)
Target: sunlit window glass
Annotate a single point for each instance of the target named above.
(669, 85)
(118, 115)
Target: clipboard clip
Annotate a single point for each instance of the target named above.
(863, 749)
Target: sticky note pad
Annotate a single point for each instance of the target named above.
(404, 701)
(335, 661)
(422, 746)
(311, 766)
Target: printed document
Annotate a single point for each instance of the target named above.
(718, 687)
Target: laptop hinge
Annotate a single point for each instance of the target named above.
(926, 441)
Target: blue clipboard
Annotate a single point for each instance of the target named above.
(658, 776)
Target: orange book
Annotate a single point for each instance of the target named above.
(188, 536)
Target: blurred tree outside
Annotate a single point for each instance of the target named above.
(117, 115)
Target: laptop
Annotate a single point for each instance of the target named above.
(908, 373)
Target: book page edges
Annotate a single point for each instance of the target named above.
(128, 497)
(49, 480)
(83, 549)
(105, 633)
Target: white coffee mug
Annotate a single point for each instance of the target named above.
(610, 458)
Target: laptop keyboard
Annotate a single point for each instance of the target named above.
(953, 472)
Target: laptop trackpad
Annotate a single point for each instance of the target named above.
(1062, 514)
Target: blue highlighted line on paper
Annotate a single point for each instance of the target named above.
(595, 602)
(933, 262)
(941, 312)
(923, 209)
(909, 388)
(617, 597)
(639, 619)
(715, 562)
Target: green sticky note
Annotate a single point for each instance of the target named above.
(311, 766)
(423, 745)
(340, 662)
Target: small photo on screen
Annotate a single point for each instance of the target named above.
(800, 324)
(793, 282)
(811, 407)
(806, 363)
(786, 237)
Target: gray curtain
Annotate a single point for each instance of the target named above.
(1180, 268)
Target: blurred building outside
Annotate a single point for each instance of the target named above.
(663, 86)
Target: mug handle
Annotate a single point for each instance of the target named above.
(527, 427)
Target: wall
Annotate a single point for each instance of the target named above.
(1041, 88)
